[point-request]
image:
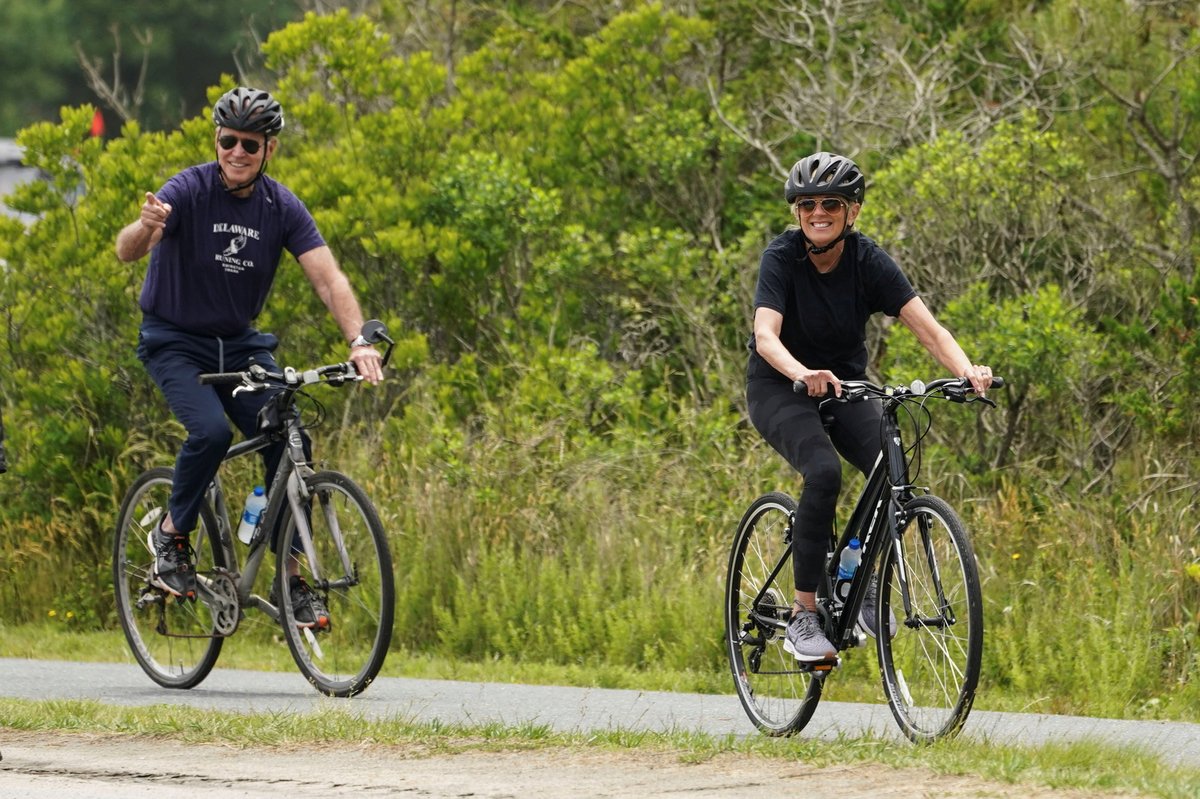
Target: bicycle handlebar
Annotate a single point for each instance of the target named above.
(257, 378)
(955, 389)
(221, 378)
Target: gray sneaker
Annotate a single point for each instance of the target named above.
(868, 614)
(805, 640)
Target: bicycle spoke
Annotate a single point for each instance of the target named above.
(352, 580)
(931, 665)
(777, 695)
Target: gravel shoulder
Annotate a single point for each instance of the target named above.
(54, 765)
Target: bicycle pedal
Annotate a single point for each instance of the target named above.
(824, 666)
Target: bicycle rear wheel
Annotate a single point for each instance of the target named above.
(174, 642)
(930, 667)
(354, 579)
(778, 697)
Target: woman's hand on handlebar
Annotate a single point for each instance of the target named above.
(980, 378)
(817, 383)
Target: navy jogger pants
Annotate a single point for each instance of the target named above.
(175, 358)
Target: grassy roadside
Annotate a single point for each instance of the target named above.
(1086, 767)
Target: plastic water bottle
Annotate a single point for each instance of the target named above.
(851, 557)
(255, 502)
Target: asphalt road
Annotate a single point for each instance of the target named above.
(562, 709)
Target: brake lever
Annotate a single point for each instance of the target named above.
(252, 388)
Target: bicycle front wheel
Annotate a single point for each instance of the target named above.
(175, 642)
(930, 582)
(778, 697)
(350, 570)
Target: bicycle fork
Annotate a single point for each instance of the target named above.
(300, 499)
(945, 613)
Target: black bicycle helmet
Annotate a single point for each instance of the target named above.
(825, 173)
(250, 110)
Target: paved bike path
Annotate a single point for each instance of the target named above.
(562, 709)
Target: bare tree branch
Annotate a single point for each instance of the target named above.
(113, 94)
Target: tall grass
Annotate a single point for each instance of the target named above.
(1091, 604)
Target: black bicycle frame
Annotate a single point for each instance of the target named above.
(876, 517)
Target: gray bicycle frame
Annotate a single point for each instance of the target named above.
(293, 468)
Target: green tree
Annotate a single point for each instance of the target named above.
(149, 62)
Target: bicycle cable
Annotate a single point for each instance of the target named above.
(315, 406)
(915, 452)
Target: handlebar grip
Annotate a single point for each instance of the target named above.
(997, 382)
(800, 387)
(220, 378)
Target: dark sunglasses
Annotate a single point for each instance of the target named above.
(229, 141)
(830, 205)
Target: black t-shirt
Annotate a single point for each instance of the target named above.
(825, 315)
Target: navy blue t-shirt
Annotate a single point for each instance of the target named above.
(825, 315)
(213, 269)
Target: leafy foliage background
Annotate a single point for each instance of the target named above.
(559, 209)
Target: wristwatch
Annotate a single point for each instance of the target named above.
(359, 341)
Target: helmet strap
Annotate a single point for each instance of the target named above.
(847, 229)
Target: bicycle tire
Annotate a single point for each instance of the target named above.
(174, 642)
(777, 696)
(345, 658)
(930, 666)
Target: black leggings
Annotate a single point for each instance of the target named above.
(791, 423)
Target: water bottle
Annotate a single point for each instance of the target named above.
(851, 557)
(847, 564)
(255, 502)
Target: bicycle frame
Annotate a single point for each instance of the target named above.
(292, 470)
(875, 521)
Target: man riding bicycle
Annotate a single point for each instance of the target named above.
(215, 233)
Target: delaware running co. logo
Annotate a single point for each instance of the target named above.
(241, 236)
(235, 246)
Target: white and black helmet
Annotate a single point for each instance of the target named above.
(825, 173)
(249, 110)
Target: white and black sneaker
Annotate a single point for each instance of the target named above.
(174, 571)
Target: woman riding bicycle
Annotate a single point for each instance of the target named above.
(818, 284)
